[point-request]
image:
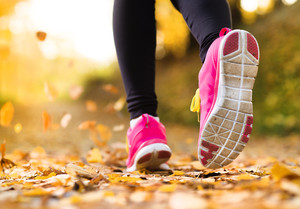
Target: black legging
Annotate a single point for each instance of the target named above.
(135, 40)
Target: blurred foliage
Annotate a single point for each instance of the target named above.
(172, 32)
(277, 90)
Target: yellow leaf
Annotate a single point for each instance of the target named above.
(45, 177)
(199, 187)
(75, 199)
(104, 132)
(117, 178)
(50, 91)
(109, 194)
(177, 173)
(18, 128)
(280, 171)
(91, 106)
(94, 156)
(245, 176)
(6, 114)
(167, 188)
(36, 192)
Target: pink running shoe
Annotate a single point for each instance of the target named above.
(225, 87)
(147, 145)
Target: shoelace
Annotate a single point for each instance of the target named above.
(195, 105)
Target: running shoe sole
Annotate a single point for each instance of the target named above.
(229, 124)
(152, 157)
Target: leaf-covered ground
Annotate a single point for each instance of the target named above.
(62, 155)
(37, 179)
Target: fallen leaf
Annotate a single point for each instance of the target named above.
(167, 188)
(41, 35)
(129, 179)
(46, 121)
(119, 104)
(91, 106)
(6, 114)
(75, 170)
(245, 177)
(36, 192)
(45, 177)
(50, 91)
(65, 120)
(104, 132)
(280, 171)
(5, 163)
(75, 91)
(177, 173)
(110, 88)
(94, 156)
(87, 125)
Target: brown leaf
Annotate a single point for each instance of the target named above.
(41, 35)
(5, 163)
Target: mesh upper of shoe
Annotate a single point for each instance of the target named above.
(146, 131)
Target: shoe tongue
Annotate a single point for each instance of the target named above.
(146, 117)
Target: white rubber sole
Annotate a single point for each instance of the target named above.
(152, 157)
(229, 124)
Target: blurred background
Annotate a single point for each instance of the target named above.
(58, 56)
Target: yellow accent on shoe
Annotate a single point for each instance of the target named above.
(127, 146)
(195, 105)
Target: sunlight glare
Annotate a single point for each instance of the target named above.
(265, 6)
(289, 2)
(249, 5)
(73, 27)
